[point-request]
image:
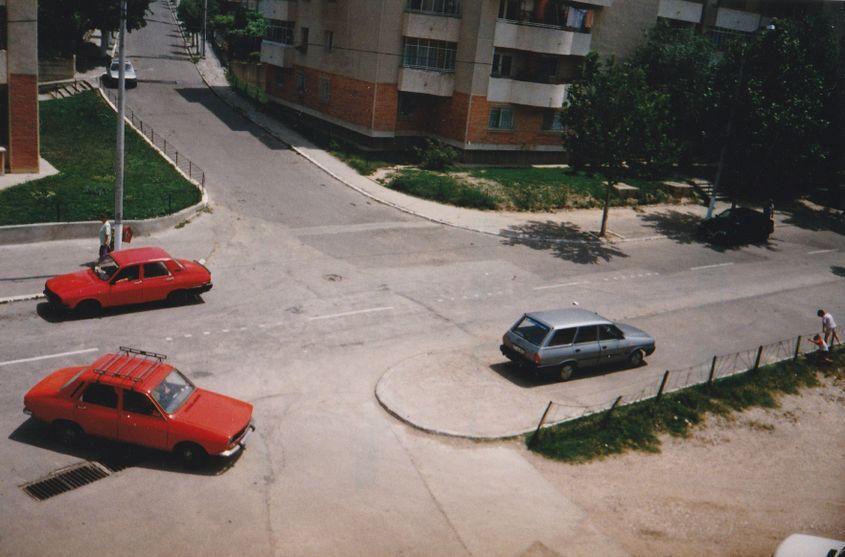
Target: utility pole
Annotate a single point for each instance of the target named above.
(121, 110)
(204, 24)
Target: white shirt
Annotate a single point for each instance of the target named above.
(105, 234)
(828, 324)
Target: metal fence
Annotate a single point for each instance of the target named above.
(719, 367)
(191, 169)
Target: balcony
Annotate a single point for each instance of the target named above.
(277, 54)
(537, 37)
(435, 27)
(528, 93)
(282, 10)
(2, 66)
(427, 82)
(680, 10)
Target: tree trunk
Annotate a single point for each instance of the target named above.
(603, 231)
(104, 43)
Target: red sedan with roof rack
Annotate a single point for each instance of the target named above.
(130, 276)
(135, 397)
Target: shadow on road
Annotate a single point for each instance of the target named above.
(816, 219)
(567, 241)
(232, 119)
(675, 225)
(528, 379)
(114, 455)
(51, 315)
(837, 270)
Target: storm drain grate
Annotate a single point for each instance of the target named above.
(65, 480)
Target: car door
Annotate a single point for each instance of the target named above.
(96, 410)
(611, 344)
(141, 422)
(157, 281)
(126, 287)
(559, 349)
(586, 346)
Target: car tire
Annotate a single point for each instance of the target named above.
(565, 371)
(88, 308)
(191, 455)
(68, 433)
(177, 298)
(636, 358)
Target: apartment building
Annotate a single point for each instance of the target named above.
(19, 84)
(486, 76)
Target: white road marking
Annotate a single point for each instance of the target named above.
(710, 266)
(556, 285)
(48, 356)
(22, 298)
(206, 332)
(242, 329)
(224, 330)
(347, 313)
(189, 335)
(818, 251)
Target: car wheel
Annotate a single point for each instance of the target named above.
(636, 358)
(191, 455)
(68, 433)
(177, 298)
(566, 371)
(88, 308)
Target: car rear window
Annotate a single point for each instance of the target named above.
(532, 331)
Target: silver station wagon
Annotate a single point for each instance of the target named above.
(564, 340)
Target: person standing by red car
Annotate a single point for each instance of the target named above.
(105, 237)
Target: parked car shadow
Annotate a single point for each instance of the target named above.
(837, 270)
(528, 379)
(51, 315)
(114, 455)
(567, 241)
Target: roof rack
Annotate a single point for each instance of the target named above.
(131, 368)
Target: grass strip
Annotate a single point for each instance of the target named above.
(639, 426)
(442, 188)
(78, 138)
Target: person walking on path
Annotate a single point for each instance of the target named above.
(828, 327)
(105, 237)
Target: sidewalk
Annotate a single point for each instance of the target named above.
(578, 226)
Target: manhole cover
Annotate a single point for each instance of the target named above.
(332, 277)
(66, 479)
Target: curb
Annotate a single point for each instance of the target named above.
(39, 232)
(22, 298)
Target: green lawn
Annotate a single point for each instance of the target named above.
(78, 138)
(533, 189)
(442, 188)
(638, 426)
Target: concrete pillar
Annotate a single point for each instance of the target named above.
(22, 79)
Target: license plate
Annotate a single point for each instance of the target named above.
(518, 349)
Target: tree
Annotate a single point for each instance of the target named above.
(62, 24)
(779, 87)
(681, 63)
(616, 124)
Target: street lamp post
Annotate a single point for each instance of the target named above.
(204, 24)
(121, 110)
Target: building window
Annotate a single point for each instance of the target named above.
(325, 89)
(280, 31)
(501, 119)
(328, 40)
(429, 55)
(300, 83)
(721, 36)
(304, 45)
(279, 76)
(440, 7)
(558, 14)
(553, 120)
(3, 27)
(501, 65)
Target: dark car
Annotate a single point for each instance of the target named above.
(739, 225)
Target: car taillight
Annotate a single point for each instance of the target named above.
(536, 358)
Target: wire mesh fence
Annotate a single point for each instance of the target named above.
(719, 367)
(186, 165)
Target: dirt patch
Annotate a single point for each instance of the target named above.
(736, 487)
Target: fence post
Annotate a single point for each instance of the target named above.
(190, 170)
(611, 409)
(58, 211)
(662, 385)
(177, 158)
(539, 425)
(757, 360)
(203, 180)
(165, 145)
(712, 371)
(797, 347)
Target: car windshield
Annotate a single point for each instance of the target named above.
(532, 331)
(127, 67)
(106, 268)
(173, 391)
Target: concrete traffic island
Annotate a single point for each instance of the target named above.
(476, 394)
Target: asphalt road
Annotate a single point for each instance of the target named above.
(318, 291)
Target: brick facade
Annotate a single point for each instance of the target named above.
(23, 123)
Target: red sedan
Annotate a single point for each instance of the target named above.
(130, 276)
(135, 397)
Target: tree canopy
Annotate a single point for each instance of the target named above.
(62, 24)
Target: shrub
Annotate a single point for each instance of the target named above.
(436, 155)
(443, 188)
